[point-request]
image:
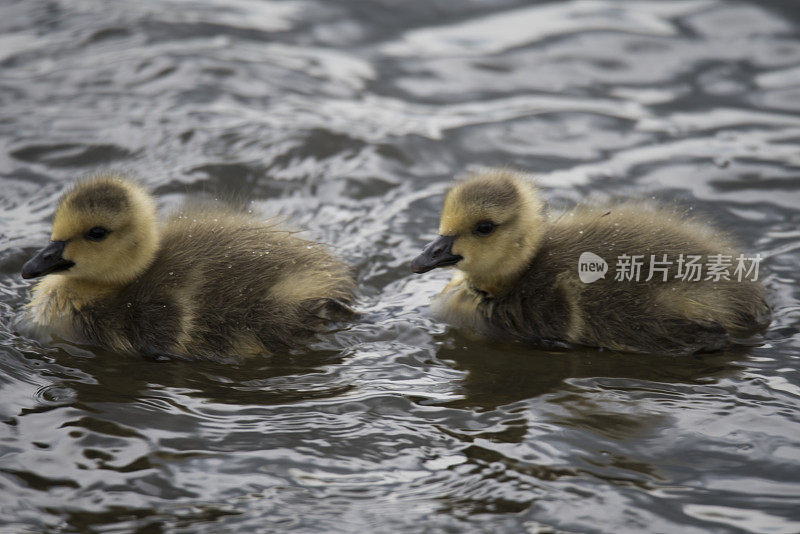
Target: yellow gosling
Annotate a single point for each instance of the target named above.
(519, 272)
(209, 284)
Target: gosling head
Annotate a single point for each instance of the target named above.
(104, 231)
(491, 227)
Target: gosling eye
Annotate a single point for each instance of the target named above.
(98, 233)
(484, 228)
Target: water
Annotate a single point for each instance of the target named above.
(350, 118)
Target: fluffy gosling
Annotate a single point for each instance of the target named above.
(519, 273)
(208, 284)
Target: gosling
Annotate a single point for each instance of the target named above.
(208, 284)
(526, 276)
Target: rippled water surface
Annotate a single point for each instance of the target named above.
(350, 118)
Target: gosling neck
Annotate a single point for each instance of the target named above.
(140, 257)
(498, 284)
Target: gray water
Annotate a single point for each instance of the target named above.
(350, 118)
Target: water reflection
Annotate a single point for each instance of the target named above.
(86, 375)
(501, 374)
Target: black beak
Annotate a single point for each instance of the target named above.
(46, 261)
(438, 253)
